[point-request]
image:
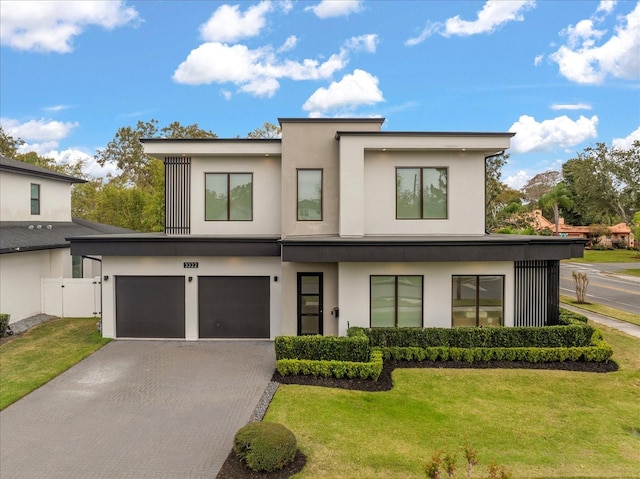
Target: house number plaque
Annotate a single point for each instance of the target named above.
(190, 264)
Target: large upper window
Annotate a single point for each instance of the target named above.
(35, 199)
(396, 301)
(309, 195)
(477, 301)
(228, 197)
(421, 193)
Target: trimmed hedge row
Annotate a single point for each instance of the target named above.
(574, 335)
(569, 317)
(4, 322)
(353, 348)
(528, 355)
(370, 369)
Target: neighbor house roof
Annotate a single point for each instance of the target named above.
(22, 168)
(20, 236)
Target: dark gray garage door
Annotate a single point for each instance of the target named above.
(150, 306)
(233, 306)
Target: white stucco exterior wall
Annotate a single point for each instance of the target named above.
(173, 266)
(15, 198)
(354, 289)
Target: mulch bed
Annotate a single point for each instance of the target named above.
(233, 468)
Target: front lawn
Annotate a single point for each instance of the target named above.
(608, 256)
(42, 353)
(538, 423)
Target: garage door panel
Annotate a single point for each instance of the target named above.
(150, 307)
(234, 306)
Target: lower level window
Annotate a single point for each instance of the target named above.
(396, 301)
(77, 271)
(477, 301)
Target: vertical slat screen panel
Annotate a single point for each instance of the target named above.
(177, 195)
(537, 293)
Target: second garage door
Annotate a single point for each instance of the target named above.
(233, 306)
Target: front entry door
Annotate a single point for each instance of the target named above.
(309, 303)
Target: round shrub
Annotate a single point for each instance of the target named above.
(265, 446)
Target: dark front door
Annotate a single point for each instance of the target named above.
(233, 306)
(309, 303)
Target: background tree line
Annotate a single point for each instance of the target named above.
(599, 186)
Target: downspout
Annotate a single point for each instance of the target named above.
(485, 187)
(92, 258)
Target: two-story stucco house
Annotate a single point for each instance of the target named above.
(336, 224)
(35, 219)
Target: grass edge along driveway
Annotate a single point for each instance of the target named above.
(537, 423)
(42, 353)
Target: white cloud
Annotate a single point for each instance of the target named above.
(366, 43)
(518, 180)
(627, 142)
(254, 71)
(356, 89)
(226, 94)
(56, 108)
(227, 24)
(41, 130)
(493, 15)
(537, 61)
(571, 106)
(73, 156)
(289, 44)
(559, 132)
(50, 26)
(335, 8)
(606, 6)
(581, 60)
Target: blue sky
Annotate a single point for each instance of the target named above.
(562, 74)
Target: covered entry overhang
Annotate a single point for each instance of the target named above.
(433, 248)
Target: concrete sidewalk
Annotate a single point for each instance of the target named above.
(623, 326)
(138, 409)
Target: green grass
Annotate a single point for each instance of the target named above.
(630, 272)
(604, 310)
(608, 256)
(31, 360)
(537, 423)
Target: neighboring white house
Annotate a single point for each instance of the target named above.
(35, 219)
(336, 224)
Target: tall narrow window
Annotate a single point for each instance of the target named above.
(76, 266)
(228, 196)
(35, 199)
(477, 301)
(421, 193)
(309, 195)
(396, 301)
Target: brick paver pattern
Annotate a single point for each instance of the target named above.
(138, 409)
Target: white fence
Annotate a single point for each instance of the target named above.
(71, 297)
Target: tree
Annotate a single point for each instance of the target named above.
(267, 131)
(503, 204)
(540, 184)
(558, 197)
(8, 145)
(605, 184)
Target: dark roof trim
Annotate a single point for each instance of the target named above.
(481, 249)
(424, 133)
(22, 168)
(210, 140)
(162, 245)
(331, 120)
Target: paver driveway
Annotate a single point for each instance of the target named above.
(138, 409)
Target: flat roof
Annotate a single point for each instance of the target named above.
(331, 120)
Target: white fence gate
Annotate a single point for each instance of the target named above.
(71, 297)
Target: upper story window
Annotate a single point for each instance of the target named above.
(421, 193)
(396, 301)
(228, 197)
(477, 300)
(309, 195)
(35, 199)
(77, 267)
